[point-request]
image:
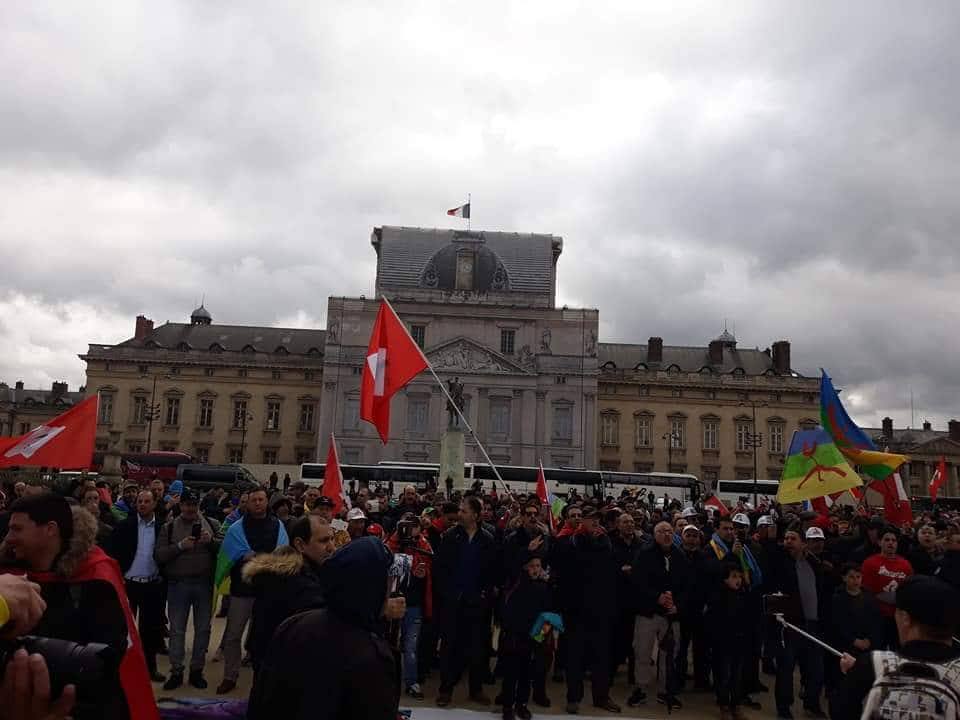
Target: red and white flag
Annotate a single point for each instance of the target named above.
(393, 360)
(896, 504)
(333, 480)
(544, 495)
(462, 211)
(938, 479)
(716, 503)
(66, 442)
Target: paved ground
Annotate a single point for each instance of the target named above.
(696, 705)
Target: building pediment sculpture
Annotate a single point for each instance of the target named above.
(464, 356)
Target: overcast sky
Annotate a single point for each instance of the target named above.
(792, 167)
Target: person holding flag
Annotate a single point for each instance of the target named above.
(255, 532)
(938, 479)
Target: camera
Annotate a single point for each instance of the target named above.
(91, 668)
(196, 531)
(405, 530)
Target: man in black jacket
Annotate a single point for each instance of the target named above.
(587, 575)
(927, 615)
(530, 537)
(466, 574)
(796, 574)
(132, 544)
(660, 587)
(626, 546)
(334, 663)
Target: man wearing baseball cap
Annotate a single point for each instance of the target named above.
(356, 523)
(927, 615)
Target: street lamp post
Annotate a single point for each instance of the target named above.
(670, 437)
(153, 409)
(243, 433)
(754, 440)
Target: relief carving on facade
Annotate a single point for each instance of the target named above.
(462, 356)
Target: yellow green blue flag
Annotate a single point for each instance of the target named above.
(814, 467)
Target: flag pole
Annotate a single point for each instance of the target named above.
(449, 397)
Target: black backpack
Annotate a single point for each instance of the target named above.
(912, 690)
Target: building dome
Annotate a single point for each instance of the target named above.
(201, 316)
(727, 338)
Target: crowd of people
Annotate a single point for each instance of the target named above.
(647, 599)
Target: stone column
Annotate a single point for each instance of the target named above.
(327, 422)
(483, 417)
(541, 422)
(516, 427)
(589, 441)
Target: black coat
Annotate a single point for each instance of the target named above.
(921, 561)
(122, 545)
(655, 573)
(949, 570)
(448, 559)
(516, 552)
(783, 572)
(586, 579)
(334, 664)
(854, 618)
(522, 605)
(624, 554)
(728, 619)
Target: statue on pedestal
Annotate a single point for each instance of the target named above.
(455, 388)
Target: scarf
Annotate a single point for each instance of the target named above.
(749, 564)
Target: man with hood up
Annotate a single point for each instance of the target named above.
(334, 663)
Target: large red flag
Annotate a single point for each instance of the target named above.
(66, 442)
(938, 479)
(544, 495)
(896, 505)
(333, 479)
(715, 502)
(393, 360)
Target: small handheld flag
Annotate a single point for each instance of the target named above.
(939, 477)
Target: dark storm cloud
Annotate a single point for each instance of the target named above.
(789, 167)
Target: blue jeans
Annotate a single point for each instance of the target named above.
(412, 622)
(182, 595)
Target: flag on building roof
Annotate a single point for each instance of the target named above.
(463, 211)
(815, 467)
(393, 360)
(66, 442)
(850, 439)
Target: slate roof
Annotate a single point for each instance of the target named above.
(688, 359)
(404, 252)
(905, 438)
(28, 396)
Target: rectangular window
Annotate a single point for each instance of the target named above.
(135, 447)
(270, 457)
(711, 476)
(175, 371)
(351, 456)
(205, 417)
(419, 334)
(563, 423)
(202, 455)
(418, 414)
(24, 428)
(351, 414)
(172, 416)
(507, 340)
(273, 415)
(277, 375)
(500, 417)
(776, 437)
(711, 435)
(743, 437)
(306, 418)
(139, 410)
(234, 455)
(676, 392)
(143, 369)
(610, 430)
(306, 455)
(678, 434)
(106, 408)
(168, 447)
(239, 414)
(643, 432)
(644, 391)
(242, 372)
(208, 372)
(308, 375)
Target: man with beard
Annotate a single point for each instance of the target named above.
(334, 662)
(287, 581)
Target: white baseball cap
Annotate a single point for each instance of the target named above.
(766, 520)
(815, 533)
(741, 519)
(688, 512)
(690, 528)
(356, 514)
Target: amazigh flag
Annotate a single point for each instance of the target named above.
(815, 467)
(462, 211)
(850, 439)
(553, 503)
(232, 550)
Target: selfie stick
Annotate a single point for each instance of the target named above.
(808, 636)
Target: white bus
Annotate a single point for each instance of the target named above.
(731, 491)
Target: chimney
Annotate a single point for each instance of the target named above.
(888, 428)
(781, 357)
(19, 385)
(144, 328)
(655, 350)
(59, 389)
(927, 425)
(716, 352)
(954, 428)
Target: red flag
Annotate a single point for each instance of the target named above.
(896, 505)
(938, 479)
(715, 502)
(393, 360)
(544, 494)
(333, 479)
(66, 442)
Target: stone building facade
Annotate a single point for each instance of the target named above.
(223, 393)
(673, 408)
(22, 409)
(925, 446)
(482, 307)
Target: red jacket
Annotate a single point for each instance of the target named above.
(419, 559)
